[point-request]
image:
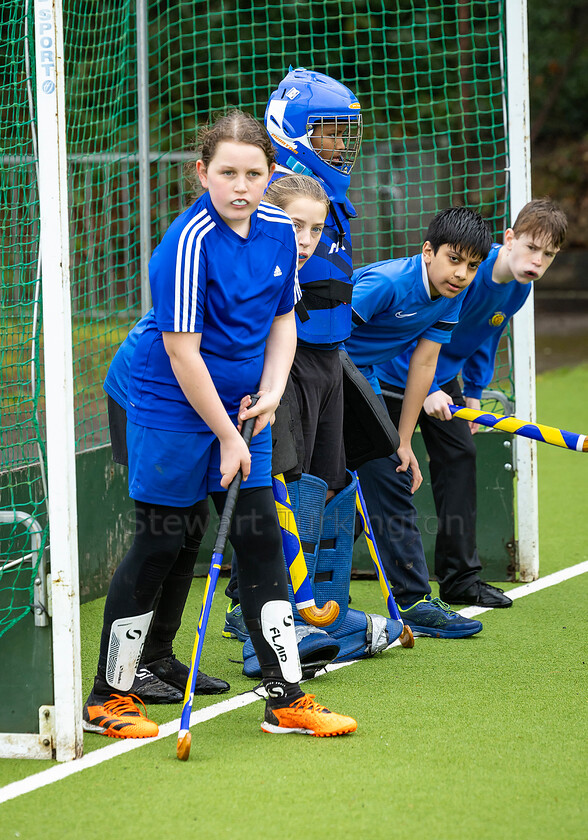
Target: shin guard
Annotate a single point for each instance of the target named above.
(359, 634)
(277, 627)
(127, 638)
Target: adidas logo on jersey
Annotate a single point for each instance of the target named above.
(277, 271)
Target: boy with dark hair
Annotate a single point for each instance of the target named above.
(395, 304)
(500, 288)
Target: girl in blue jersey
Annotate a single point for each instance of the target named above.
(223, 282)
(158, 679)
(306, 202)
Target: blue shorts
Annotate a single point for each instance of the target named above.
(181, 468)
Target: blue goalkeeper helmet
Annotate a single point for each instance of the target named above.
(315, 123)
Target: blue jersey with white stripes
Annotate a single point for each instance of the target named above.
(486, 310)
(207, 279)
(392, 308)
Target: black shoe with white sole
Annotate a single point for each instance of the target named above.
(173, 672)
(478, 594)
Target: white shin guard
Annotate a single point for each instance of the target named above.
(277, 626)
(127, 638)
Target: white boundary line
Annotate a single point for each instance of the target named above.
(62, 771)
(534, 586)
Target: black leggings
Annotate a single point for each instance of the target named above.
(160, 562)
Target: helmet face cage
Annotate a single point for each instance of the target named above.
(336, 140)
(316, 124)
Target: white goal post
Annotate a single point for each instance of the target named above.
(60, 730)
(519, 157)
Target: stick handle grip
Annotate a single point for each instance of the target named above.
(226, 516)
(534, 431)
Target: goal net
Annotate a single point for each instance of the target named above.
(140, 77)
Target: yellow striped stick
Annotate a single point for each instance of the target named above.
(535, 431)
(303, 594)
(406, 637)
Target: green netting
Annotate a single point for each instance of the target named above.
(21, 401)
(102, 151)
(429, 76)
(430, 79)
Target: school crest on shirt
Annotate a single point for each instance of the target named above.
(497, 319)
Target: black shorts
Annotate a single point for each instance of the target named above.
(117, 423)
(317, 378)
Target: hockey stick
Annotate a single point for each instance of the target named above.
(184, 736)
(535, 431)
(406, 637)
(303, 594)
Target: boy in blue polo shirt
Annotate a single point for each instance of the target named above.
(395, 303)
(500, 288)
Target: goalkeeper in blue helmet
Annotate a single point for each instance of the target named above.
(315, 124)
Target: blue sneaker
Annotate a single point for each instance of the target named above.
(433, 617)
(235, 624)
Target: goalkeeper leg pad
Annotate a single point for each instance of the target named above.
(362, 635)
(332, 573)
(316, 649)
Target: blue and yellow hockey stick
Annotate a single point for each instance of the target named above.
(535, 431)
(406, 637)
(184, 736)
(303, 594)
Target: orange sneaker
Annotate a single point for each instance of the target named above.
(117, 717)
(307, 718)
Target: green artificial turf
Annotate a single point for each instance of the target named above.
(483, 737)
(562, 401)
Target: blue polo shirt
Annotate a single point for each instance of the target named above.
(207, 279)
(392, 308)
(486, 310)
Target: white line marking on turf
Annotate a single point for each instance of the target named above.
(534, 586)
(62, 771)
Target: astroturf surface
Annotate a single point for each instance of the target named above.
(483, 737)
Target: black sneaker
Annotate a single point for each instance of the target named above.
(150, 689)
(479, 594)
(147, 687)
(173, 672)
